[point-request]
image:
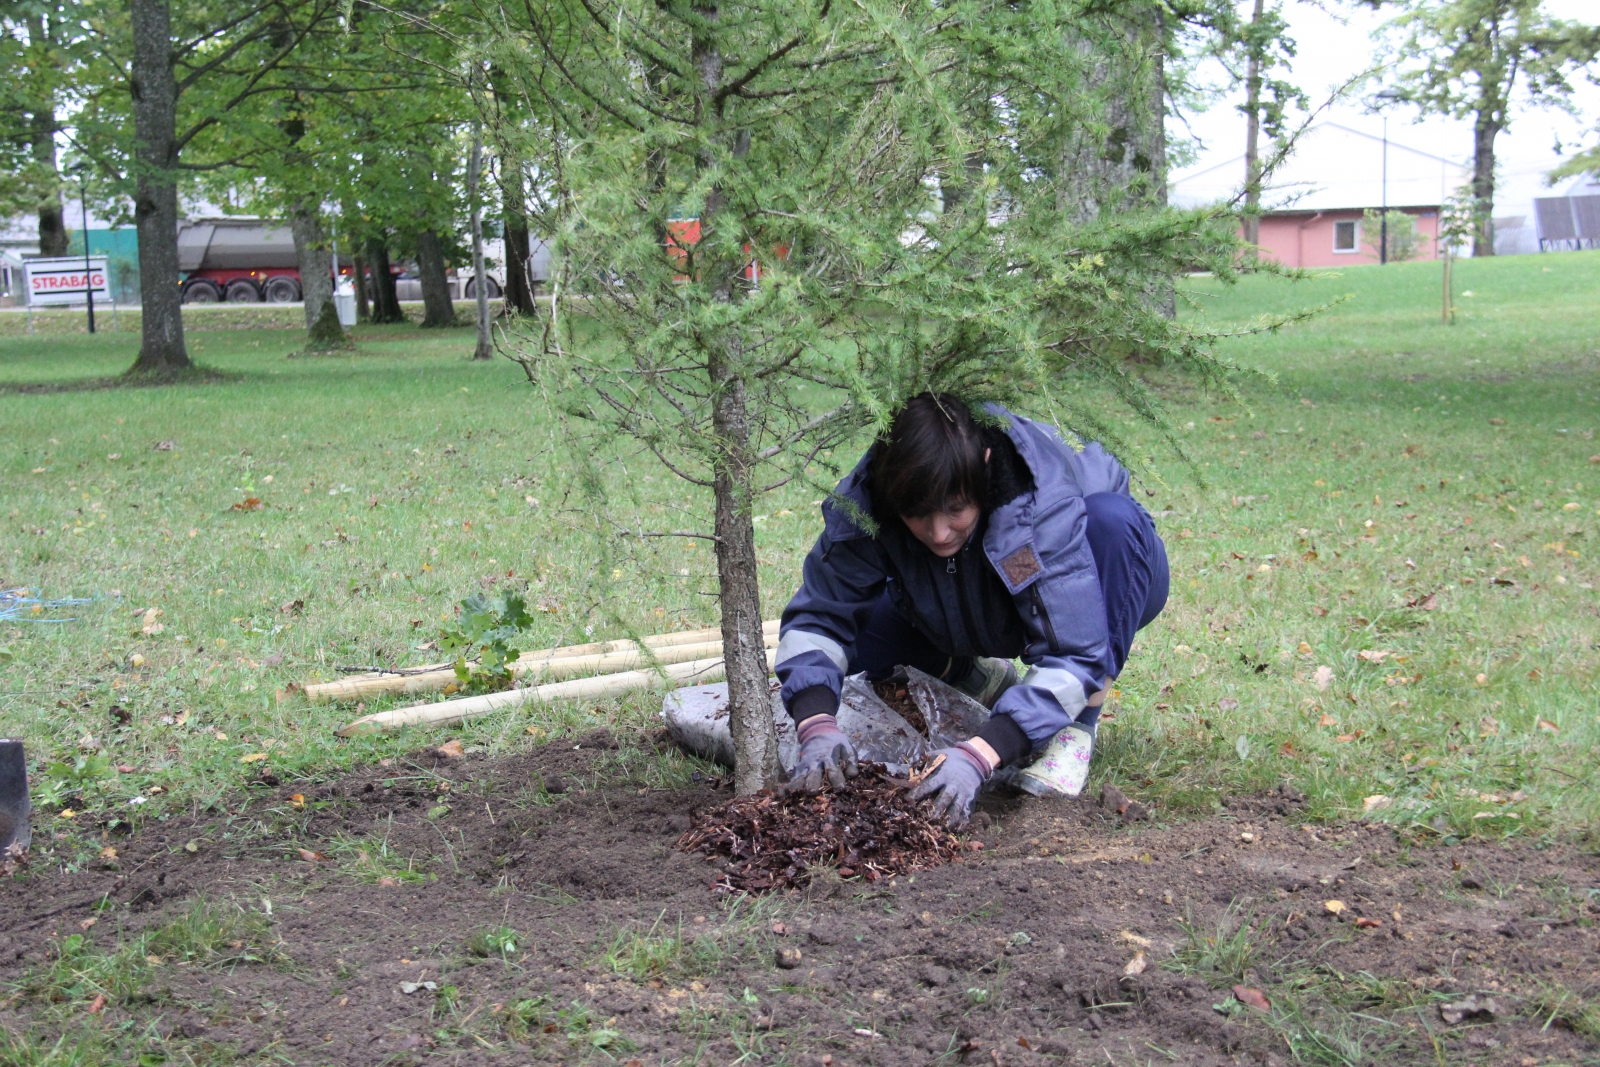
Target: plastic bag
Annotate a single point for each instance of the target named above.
(697, 719)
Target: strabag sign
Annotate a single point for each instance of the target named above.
(64, 281)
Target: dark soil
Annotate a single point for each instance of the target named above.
(1063, 940)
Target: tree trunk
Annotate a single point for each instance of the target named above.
(316, 282)
(385, 301)
(358, 271)
(155, 198)
(52, 221)
(437, 309)
(1483, 135)
(480, 277)
(755, 741)
(42, 135)
(518, 292)
(1252, 141)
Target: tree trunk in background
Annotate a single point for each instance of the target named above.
(480, 277)
(437, 309)
(358, 271)
(155, 199)
(52, 222)
(1126, 168)
(518, 292)
(1484, 131)
(1252, 144)
(316, 281)
(385, 301)
(42, 130)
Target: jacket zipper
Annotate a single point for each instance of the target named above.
(966, 608)
(1043, 615)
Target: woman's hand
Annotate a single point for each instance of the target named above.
(954, 786)
(824, 751)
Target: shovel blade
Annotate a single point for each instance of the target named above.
(15, 810)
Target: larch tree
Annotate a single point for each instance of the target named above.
(775, 221)
(1480, 60)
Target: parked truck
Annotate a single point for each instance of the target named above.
(249, 260)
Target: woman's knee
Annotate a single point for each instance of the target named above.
(1112, 519)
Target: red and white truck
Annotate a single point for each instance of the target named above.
(247, 261)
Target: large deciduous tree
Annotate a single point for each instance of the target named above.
(1477, 60)
(777, 219)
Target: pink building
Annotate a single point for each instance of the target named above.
(1313, 204)
(1334, 237)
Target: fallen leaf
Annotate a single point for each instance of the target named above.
(451, 749)
(1251, 997)
(249, 503)
(1348, 737)
(108, 853)
(1369, 924)
(1327, 720)
(1227, 704)
(1335, 907)
(1322, 677)
(98, 1004)
(409, 988)
(166, 446)
(1481, 680)
(1373, 803)
(1304, 649)
(254, 757)
(1319, 611)
(1546, 724)
(1309, 555)
(298, 800)
(310, 856)
(1136, 965)
(1134, 939)
(1370, 655)
(1427, 603)
(85, 924)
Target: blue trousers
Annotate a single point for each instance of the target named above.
(1134, 580)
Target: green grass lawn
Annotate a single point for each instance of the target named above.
(1408, 505)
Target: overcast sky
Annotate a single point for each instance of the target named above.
(1334, 49)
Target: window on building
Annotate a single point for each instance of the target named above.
(1346, 236)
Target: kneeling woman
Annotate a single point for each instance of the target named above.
(994, 541)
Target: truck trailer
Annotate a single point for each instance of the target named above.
(249, 260)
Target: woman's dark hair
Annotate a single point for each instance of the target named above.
(931, 458)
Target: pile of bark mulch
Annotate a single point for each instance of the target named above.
(871, 828)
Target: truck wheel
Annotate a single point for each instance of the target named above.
(472, 289)
(243, 292)
(201, 292)
(282, 290)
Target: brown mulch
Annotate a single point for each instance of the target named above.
(871, 828)
(898, 697)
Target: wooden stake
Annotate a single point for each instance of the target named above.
(562, 662)
(450, 712)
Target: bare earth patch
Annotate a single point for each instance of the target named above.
(556, 919)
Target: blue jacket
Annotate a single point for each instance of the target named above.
(1036, 547)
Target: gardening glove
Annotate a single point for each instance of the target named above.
(824, 749)
(954, 786)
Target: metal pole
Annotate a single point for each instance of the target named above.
(1383, 226)
(333, 226)
(88, 273)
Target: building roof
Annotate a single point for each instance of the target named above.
(1332, 167)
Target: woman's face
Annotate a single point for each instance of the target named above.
(944, 532)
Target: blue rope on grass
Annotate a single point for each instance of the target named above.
(20, 605)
